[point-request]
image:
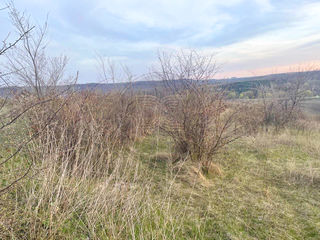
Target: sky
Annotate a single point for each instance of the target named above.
(247, 37)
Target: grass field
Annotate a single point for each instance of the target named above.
(262, 187)
(265, 187)
(312, 106)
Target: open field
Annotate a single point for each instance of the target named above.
(312, 106)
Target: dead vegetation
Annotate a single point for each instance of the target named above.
(196, 115)
(282, 104)
(95, 125)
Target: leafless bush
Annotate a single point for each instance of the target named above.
(249, 117)
(196, 115)
(282, 103)
(96, 124)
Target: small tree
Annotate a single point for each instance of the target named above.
(7, 121)
(37, 74)
(29, 62)
(196, 115)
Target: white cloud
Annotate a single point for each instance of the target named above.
(265, 5)
(195, 23)
(287, 45)
(168, 13)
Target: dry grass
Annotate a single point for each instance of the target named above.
(86, 183)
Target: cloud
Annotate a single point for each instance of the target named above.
(265, 5)
(246, 34)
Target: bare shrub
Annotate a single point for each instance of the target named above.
(249, 117)
(96, 124)
(196, 114)
(282, 103)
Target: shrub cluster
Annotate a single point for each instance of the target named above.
(92, 124)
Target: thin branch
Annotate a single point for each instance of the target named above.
(6, 48)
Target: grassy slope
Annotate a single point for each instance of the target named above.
(268, 188)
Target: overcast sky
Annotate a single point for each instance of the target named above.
(249, 37)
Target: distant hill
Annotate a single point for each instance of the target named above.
(245, 84)
(234, 84)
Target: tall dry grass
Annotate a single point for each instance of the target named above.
(54, 203)
(93, 124)
(85, 181)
